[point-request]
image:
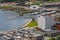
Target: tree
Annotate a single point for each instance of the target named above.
(51, 38)
(1, 0)
(8, 0)
(58, 37)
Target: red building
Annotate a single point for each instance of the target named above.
(57, 19)
(57, 27)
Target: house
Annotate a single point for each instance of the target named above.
(22, 2)
(50, 5)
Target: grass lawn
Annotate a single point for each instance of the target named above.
(37, 3)
(32, 24)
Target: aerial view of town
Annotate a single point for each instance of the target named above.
(29, 19)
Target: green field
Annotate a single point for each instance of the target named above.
(32, 24)
(36, 3)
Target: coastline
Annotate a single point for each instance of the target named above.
(19, 28)
(27, 23)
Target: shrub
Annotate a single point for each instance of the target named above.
(51, 38)
(58, 37)
(36, 3)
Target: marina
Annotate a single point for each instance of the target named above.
(29, 20)
(10, 20)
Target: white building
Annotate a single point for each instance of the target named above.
(34, 7)
(45, 21)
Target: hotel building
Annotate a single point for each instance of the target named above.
(47, 21)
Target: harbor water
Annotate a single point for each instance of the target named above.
(10, 20)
